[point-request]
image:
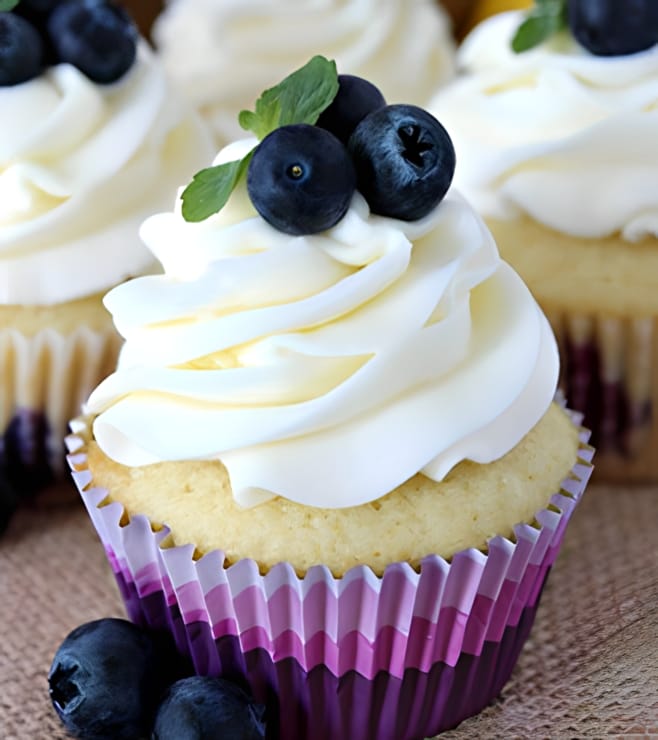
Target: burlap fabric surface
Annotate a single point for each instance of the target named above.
(590, 668)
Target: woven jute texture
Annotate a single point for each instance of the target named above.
(590, 668)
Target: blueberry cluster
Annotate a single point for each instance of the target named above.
(96, 36)
(113, 680)
(301, 178)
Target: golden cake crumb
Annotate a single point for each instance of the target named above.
(473, 503)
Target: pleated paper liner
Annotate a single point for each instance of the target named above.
(400, 656)
(610, 374)
(44, 378)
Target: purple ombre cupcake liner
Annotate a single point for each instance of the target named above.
(610, 375)
(398, 656)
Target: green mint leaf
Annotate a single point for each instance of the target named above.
(545, 20)
(6, 5)
(211, 188)
(299, 98)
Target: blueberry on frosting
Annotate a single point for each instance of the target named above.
(603, 27)
(96, 36)
(355, 98)
(301, 179)
(21, 50)
(404, 161)
(614, 27)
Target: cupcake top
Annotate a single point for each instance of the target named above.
(328, 366)
(82, 163)
(221, 53)
(556, 132)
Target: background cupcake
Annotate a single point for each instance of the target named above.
(556, 148)
(299, 467)
(222, 53)
(90, 144)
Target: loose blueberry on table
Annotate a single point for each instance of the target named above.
(107, 677)
(206, 708)
(96, 36)
(113, 680)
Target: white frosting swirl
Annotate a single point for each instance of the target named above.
(327, 369)
(224, 54)
(556, 133)
(81, 166)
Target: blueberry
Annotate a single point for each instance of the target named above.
(301, 179)
(39, 6)
(96, 36)
(355, 98)
(108, 677)
(37, 13)
(21, 50)
(612, 27)
(204, 708)
(404, 161)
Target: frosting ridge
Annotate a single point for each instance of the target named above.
(81, 166)
(222, 54)
(535, 132)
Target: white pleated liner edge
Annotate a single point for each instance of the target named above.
(359, 621)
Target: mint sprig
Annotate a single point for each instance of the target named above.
(211, 188)
(299, 98)
(547, 18)
(7, 5)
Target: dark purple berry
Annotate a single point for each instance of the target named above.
(301, 179)
(21, 50)
(36, 6)
(614, 27)
(355, 98)
(107, 679)
(96, 36)
(404, 161)
(203, 708)
(38, 12)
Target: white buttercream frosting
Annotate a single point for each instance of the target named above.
(327, 369)
(81, 166)
(224, 54)
(556, 133)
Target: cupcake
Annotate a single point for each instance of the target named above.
(88, 148)
(329, 461)
(221, 53)
(557, 149)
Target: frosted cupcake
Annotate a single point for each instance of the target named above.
(221, 53)
(301, 467)
(557, 149)
(86, 153)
